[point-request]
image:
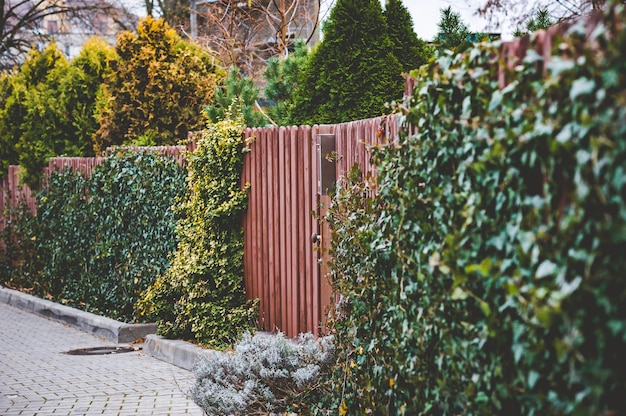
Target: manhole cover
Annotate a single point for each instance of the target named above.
(102, 350)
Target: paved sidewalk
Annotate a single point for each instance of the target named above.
(37, 378)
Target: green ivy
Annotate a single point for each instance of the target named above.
(18, 243)
(485, 277)
(202, 296)
(103, 239)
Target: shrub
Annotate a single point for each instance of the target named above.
(103, 239)
(265, 374)
(19, 263)
(202, 295)
(240, 91)
(159, 87)
(485, 277)
(47, 108)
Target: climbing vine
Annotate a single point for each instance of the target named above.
(202, 295)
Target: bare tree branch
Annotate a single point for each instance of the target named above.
(499, 13)
(246, 33)
(21, 23)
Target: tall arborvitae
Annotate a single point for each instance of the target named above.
(411, 51)
(353, 72)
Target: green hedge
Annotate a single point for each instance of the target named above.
(98, 242)
(486, 275)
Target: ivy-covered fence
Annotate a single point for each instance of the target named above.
(487, 274)
(103, 229)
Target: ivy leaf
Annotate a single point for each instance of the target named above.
(581, 86)
(546, 268)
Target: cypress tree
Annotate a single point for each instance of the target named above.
(411, 51)
(352, 73)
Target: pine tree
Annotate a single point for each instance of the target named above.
(282, 76)
(238, 91)
(411, 51)
(352, 73)
(453, 32)
(541, 20)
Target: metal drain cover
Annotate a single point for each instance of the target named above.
(102, 350)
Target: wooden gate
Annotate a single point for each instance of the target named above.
(287, 241)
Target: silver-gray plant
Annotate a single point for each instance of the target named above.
(264, 374)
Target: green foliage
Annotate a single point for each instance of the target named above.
(102, 240)
(411, 51)
(159, 87)
(282, 77)
(80, 88)
(486, 276)
(238, 91)
(202, 295)
(452, 32)
(31, 123)
(48, 107)
(352, 73)
(541, 20)
(19, 264)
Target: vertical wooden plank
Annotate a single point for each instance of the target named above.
(245, 179)
(302, 237)
(276, 197)
(312, 133)
(308, 228)
(289, 299)
(269, 228)
(263, 232)
(283, 246)
(259, 227)
(294, 296)
(251, 214)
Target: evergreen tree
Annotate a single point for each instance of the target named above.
(47, 108)
(411, 51)
(352, 72)
(282, 77)
(238, 91)
(160, 86)
(541, 20)
(453, 32)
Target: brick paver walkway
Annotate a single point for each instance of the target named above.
(37, 378)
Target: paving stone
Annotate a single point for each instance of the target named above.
(38, 378)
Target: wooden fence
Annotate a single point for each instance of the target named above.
(284, 268)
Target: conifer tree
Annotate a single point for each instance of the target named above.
(159, 87)
(411, 51)
(352, 73)
(239, 92)
(453, 32)
(282, 76)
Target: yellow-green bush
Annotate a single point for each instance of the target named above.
(202, 294)
(158, 90)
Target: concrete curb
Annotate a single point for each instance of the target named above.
(179, 353)
(101, 326)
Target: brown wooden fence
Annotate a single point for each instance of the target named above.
(284, 268)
